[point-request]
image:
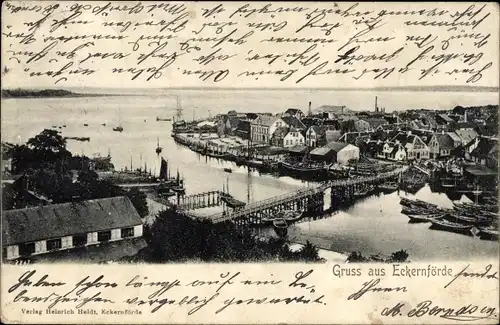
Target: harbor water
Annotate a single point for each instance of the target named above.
(373, 225)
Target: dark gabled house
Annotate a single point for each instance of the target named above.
(293, 122)
(76, 230)
(243, 129)
(441, 145)
(485, 152)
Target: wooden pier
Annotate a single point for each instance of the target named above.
(201, 200)
(311, 200)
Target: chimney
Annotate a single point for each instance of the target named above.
(376, 107)
(465, 116)
(343, 110)
(309, 111)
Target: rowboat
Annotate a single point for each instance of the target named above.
(364, 192)
(267, 219)
(447, 225)
(462, 218)
(388, 187)
(228, 170)
(490, 232)
(280, 226)
(304, 170)
(292, 215)
(423, 217)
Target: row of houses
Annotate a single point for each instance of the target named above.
(421, 135)
(409, 146)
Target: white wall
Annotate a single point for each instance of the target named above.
(40, 246)
(138, 231)
(347, 153)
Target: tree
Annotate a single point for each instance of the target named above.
(48, 148)
(48, 140)
(138, 199)
(356, 257)
(309, 253)
(400, 256)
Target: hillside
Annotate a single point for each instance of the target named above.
(25, 93)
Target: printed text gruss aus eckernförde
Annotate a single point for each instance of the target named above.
(252, 44)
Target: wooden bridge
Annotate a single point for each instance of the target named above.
(308, 199)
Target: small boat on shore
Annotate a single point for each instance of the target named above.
(267, 219)
(228, 170)
(419, 218)
(462, 218)
(444, 224)
(489, 232)
(389, 186)
(179, 189)
(364, 192)
(304, 170)
(291, 216)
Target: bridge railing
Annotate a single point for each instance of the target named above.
(259, 205)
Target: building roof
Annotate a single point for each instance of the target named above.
(444, 140)
(265, 120)
(293, 121)
(298, 149)
(318, 129)
(466, 135)
(280, 132)
(334, 109)
(446, 118)
(336, 146)
(375, 122)
(59, 220)
(466, 125)
(294, 111)
(454, 136)
(322, 151)
(480, 171)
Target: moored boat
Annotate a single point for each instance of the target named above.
(461, 218)
(423, 217)
(389, 186)
(304, 170)
(228, 170)
(447, 225)
(363, 192)
(280, 226)
(292, 215)
(489, 232)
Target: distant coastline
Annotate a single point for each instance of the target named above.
(45, 93)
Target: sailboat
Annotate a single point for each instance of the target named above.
(158, 148)
(163, 169)
(119, 128)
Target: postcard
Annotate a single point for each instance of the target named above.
(249, 162)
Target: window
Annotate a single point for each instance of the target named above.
(104, 235)
(80, 240)
(26, 249)
(4, 252)
(127, 232)
(54, 244)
